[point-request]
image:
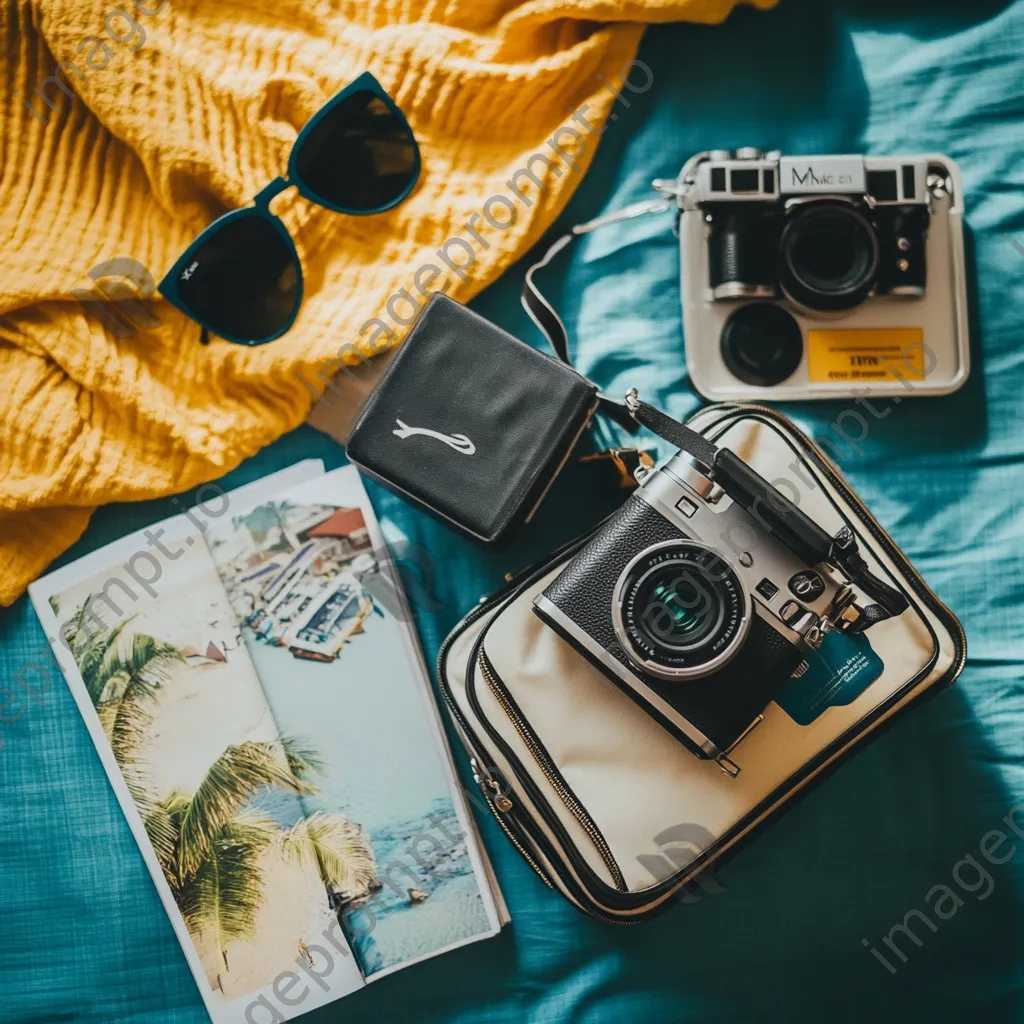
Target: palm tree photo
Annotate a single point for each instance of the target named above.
(211, 843)
(122, 673)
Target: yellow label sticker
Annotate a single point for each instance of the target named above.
(873, 354)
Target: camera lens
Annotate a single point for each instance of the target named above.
(828, 256)
(762, 344)
(680, 610)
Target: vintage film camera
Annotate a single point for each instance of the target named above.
(820, 276)
(699, 596)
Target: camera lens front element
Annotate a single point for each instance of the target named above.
(828, 256)
(762, 344)
(680, 610)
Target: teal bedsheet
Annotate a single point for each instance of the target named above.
(83, 936)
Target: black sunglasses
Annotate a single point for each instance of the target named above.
(241, 278)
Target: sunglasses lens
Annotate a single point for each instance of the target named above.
(243, 282)
(359, 156)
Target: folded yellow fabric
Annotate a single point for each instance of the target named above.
(128, 127)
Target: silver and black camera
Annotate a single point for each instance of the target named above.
(699, 597)
(813, 276)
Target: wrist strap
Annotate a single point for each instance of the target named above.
(550, 324)
(791, 526)
(671, 430)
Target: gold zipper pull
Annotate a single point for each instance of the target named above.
(480, 774)
(486, 781)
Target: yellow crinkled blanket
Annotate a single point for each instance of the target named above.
(180, 110)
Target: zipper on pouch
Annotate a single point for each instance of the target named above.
(500, 806)
(593, 886)
(550, 772)
(488, 787)
(514, 829)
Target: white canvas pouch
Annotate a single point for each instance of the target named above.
(603, 802)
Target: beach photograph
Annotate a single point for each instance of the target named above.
(340, 669)
(256, 867)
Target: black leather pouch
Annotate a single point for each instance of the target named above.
(471, 423)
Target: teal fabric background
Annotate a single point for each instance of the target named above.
(83, 936)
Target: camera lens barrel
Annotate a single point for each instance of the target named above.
(741, 250)
(829, 256)
(680, 610)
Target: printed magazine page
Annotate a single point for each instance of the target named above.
(294, 804)
(329, 632)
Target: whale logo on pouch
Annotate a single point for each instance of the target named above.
(459, 442)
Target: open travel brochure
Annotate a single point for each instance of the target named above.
(250, 675)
